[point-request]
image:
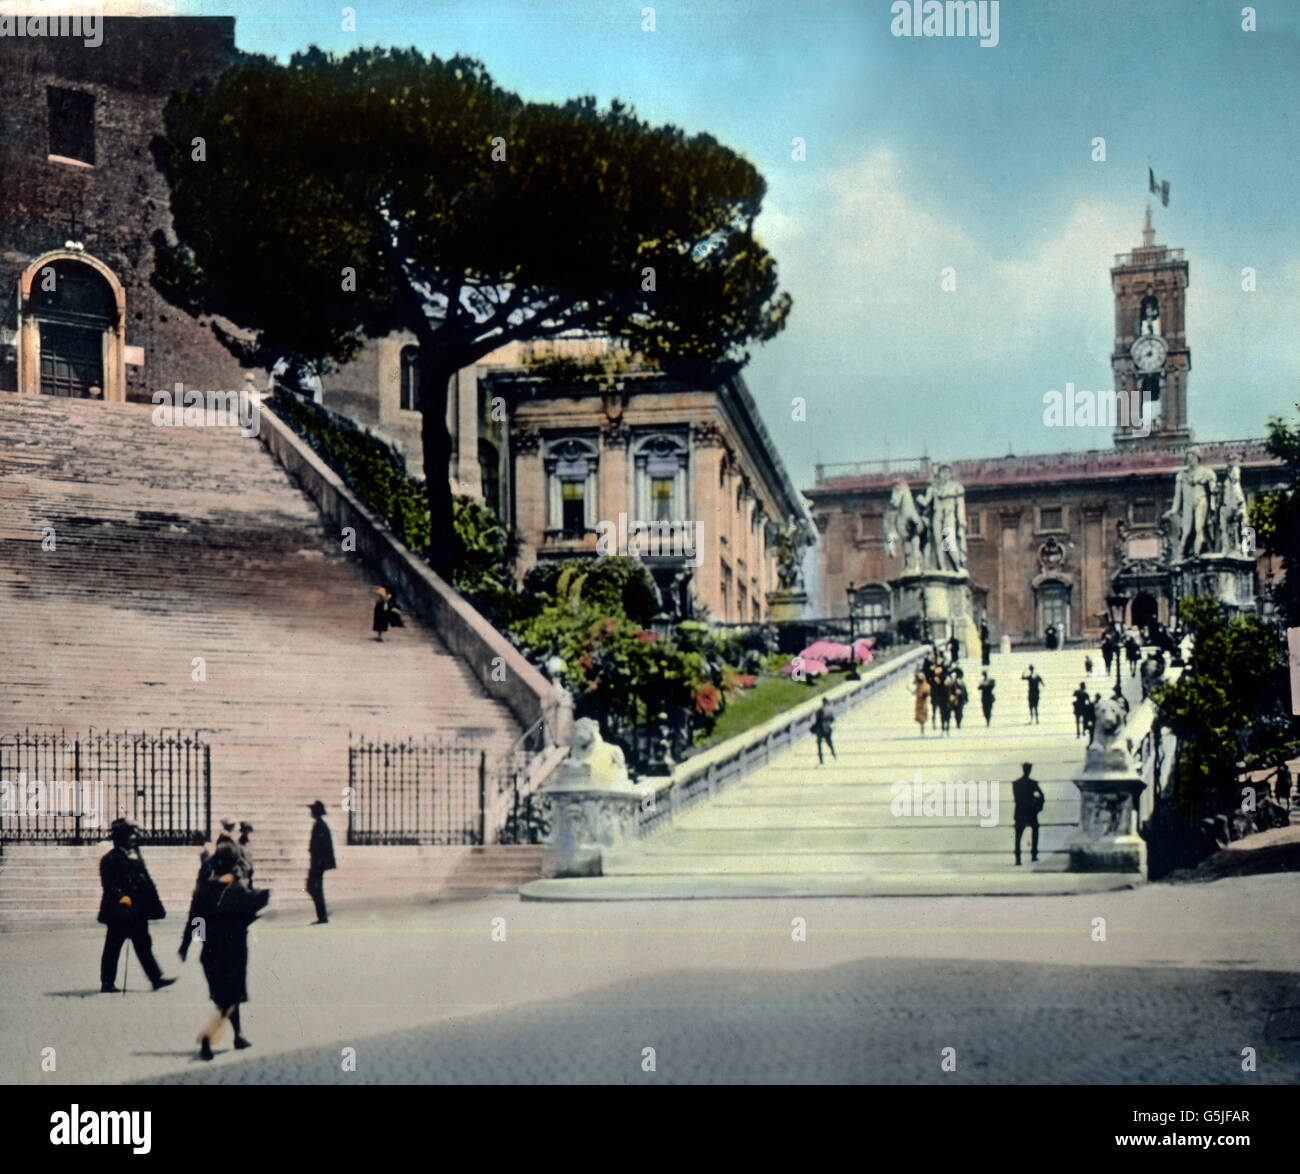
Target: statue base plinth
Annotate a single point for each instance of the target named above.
(786, 605)
(939, 601)
(585, 818)
(1107, 839)
(1229, 578)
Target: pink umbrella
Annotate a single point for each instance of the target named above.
(863, 648)
(827, 650)
(811, 667)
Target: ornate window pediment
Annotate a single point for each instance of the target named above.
(571, 464)
(660, 461)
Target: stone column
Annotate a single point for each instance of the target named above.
(1110, 791)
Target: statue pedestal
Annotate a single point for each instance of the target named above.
(1110, 790)
(594, 805)
(1229, 578)
(940, 599)
(786, 605)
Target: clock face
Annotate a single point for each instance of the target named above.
(1148, 353)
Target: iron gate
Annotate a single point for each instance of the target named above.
(56, 789)
(430, 791)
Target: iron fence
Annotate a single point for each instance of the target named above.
(56, 789)
(431, 791)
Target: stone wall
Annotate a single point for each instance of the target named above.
(118, 207)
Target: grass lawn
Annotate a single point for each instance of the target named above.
(773, 696)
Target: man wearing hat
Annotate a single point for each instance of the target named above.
(322, 860)
(129, 903)
(1029, 802)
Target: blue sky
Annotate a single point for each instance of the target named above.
(924, 153)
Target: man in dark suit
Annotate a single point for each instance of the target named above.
(322, 860)
(130, 901)
(1029, 802)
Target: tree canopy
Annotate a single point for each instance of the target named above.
(335, 199)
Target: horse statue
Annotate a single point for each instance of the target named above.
(904, 528)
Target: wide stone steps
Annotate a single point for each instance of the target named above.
(177, 543)
(796, 822)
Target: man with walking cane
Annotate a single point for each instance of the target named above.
(130, 901)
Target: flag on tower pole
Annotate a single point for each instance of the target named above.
(1158, 189)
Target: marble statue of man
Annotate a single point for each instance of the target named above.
(944, 501)
(1232, 512)
(1195, 490)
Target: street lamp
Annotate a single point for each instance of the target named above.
(1117, 605)
(854, 675)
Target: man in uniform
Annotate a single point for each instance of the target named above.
(1029, 802)
(130, 901)
(322, 860)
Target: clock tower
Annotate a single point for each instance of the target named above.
(1151, 361)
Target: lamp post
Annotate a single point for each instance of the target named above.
(1116, 605)
(853, 675)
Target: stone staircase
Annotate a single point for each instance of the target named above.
(805, 826)
(172, 544)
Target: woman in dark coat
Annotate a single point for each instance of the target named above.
(224, 906)
(380, 622)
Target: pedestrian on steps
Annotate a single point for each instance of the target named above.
(921, 690)
(1035, 690)
(1030, 800)
(1080, 709)
(379, 622)
(958, 696)
(822, 727)
(321, 851)
(986, 697)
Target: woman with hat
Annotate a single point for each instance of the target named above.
(380, 622)
(222, 908)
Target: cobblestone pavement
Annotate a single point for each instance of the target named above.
(1187, 977)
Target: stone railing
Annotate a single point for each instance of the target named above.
(522, 687)
(701, 775)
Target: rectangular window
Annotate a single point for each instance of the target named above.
(661, 499)
(72, 124)
(1049, 518)
(410, 379)
(975, 524)
(1144, 513)
(574, 520)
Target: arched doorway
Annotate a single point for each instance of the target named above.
(1144, 611)
(71, 316)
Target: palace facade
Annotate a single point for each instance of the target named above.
(1049, 537)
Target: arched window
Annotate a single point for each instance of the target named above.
(660, 461)
(571, 485)
(410, 379)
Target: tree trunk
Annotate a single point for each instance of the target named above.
(444, 551)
